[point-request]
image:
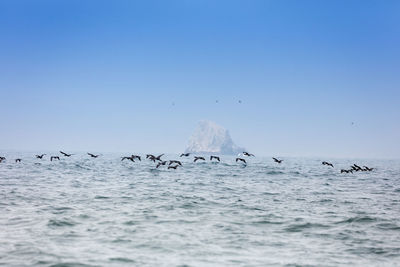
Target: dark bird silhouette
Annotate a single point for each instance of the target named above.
(215, 157)
(161, 163)
(242, 160)
(198, 158)
(17, 160)
(2, 158)
(327, 164)
(185, 155)
(175, 161)
(277, 160)
(248, 154)
(367, 169)
(92, 155)
(54, 158)
(356, 168)
(66, 154)
(40, 156)
(136, 157)
(154, 158)
(128, 158)
(173, 167)
(346, 171)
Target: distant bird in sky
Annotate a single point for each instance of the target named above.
(198, 158)
(54, 158)
(215, 157)
(92, 155)
(327, 164)
(277, 160)
(240, 101)
(40, 156)
(17, 160)
(248, 154)
(242, 160)
(185, 155)
(2, 158)
(66, 154)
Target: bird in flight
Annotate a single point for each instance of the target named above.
(198, 158)
(54, 158)
(66, 154)
(136, 157)
(277, 160)
(368, 169)
(175, 161)
(40, 156)
(185, 155)
(93, 155)
(154, 158)
(327, 164)
(215, 157)
(18, 160)
(248, 154)
(173, 167)
(161, 163)
(356, 168)
(128, 158)
(242, 160)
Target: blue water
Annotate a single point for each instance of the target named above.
(104, 212)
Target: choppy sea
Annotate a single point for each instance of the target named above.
(81, 211)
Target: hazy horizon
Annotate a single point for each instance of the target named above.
(286, 78)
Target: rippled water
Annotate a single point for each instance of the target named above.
(104, 212)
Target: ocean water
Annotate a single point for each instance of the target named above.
(104, 212)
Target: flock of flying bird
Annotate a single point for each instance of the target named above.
(174, 164)
(353, 167)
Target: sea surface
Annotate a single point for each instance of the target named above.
(103, 212)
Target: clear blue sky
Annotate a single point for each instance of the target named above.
(138, 75)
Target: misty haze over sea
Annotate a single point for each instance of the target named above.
(286, 114)
(81, 211)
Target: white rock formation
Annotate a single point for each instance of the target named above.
(210, 138)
